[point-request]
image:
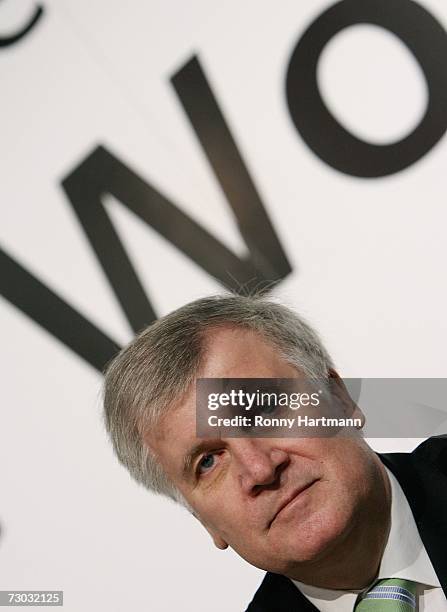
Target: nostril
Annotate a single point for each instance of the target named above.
(281, 459)
(270, 483)
(280, 468)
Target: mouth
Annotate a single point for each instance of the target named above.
(290, 500)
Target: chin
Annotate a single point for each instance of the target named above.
(308, 545)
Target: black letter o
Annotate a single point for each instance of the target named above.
(425, 38)
(14, 38)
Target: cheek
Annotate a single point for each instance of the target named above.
(346, 467)
(240, 529)
(221, 511)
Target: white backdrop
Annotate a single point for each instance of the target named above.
(368, 258)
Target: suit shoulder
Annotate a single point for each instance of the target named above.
(434, 451)
(277, 593)
(269, 590)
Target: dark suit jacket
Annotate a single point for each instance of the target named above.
(422, 475)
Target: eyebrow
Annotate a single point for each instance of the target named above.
(194, 452)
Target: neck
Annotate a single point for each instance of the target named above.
(356, 561)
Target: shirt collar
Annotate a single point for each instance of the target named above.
(404, 557)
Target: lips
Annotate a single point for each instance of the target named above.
(290, 498)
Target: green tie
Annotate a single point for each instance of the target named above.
(390, 595)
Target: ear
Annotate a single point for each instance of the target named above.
(219, 542)
(341, 394)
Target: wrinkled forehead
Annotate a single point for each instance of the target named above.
(228, 352)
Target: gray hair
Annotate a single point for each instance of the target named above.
(161, 363)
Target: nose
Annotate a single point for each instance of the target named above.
(258, 464)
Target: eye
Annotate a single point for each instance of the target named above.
(267, 408)
(267, 404)
(206, 463)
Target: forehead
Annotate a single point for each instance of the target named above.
(229, 352)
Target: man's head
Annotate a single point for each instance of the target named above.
(285, 505)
